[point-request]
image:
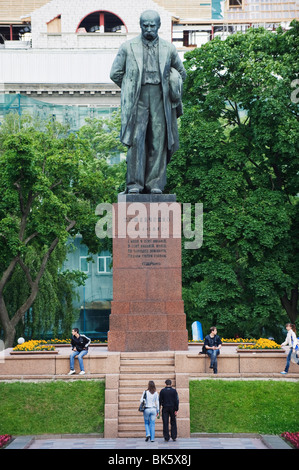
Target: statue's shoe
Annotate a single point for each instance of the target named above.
(156, 191)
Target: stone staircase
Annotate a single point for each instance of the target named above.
(136, 369)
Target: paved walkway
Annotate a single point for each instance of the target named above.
(221, 441)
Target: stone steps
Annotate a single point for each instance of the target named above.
(136, 369)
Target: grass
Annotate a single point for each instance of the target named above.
(265, 407)
(53, 408)
(220, 406)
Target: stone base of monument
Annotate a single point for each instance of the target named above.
(147, 311)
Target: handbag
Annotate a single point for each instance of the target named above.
(142, 404)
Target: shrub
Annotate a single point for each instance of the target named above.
(292, 437)
(4, 439)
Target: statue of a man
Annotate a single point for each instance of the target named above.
(150, 74)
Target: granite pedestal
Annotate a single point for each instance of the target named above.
(147, 311)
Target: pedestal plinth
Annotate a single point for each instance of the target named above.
(147, 311)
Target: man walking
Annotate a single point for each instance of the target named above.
(169, 400)
(150, 74)
(80, 345)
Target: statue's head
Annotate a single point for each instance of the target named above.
(150, 23)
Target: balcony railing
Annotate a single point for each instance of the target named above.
(79, 40)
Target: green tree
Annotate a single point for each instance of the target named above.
(51, 182)
(239, 157)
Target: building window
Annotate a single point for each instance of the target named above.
(104, 264)
(84, 264)
(235, 3)
(101, 22)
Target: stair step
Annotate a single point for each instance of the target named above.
(147, 355)
(141, 384)
(128, 405)
(145, 362)
(138, 388)
(135, 397)
(131, 419)
(123, 411)
(147, 370)
(144, 376)
(137, 434)
(135, 427)
(131, 426)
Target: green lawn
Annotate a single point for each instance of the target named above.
(265, 407)
(52, 407)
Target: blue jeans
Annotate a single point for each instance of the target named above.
(288, 360)
(80, 358)
(149, 416)
(213, 353)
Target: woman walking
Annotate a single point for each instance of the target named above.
(292, 341)
(151, 410)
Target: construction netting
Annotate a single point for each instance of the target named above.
(71, 115)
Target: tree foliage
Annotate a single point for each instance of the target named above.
(239, 157)
(51, 182)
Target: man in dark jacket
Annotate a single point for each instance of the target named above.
(213, 344)
(80, 345)
(169, 400)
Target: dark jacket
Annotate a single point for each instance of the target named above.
(169, 398)
(80, 343)
(216, 341)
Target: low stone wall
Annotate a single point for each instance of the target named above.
(238, 363)
(44, 364)
(103, 363)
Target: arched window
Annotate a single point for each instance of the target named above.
(103, 22)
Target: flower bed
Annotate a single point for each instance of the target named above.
(261, 345)
(235, 341)
(67, 341)
(34, 346)
(292, 437)
(4, 439)
(238, 340)
(42, 346)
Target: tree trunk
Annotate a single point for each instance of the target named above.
(291, 306)
(9, 337)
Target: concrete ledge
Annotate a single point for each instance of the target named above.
(236, 363)
(96, 362)
(102, 364)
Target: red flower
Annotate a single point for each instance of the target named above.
(292, 437)
(4, 439)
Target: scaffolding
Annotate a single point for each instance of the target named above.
(73, 116)
(261, 11)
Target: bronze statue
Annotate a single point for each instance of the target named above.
(150, 74)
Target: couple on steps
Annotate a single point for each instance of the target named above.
(169, 401)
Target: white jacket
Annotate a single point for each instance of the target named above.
(290, 340)
(152, 400)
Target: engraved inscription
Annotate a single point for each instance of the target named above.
(150, 251)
